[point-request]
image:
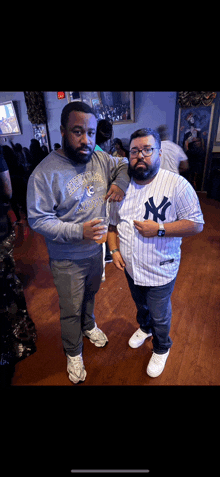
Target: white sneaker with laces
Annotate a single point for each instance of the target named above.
(96, 336)
(138, 338)
(76, 368)
(156, 364)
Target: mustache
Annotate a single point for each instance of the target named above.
(76, 154)
(84, 148)
(141, 162)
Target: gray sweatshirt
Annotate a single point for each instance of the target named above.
(62, 195)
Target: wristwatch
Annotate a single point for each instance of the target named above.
(113, 251)
(161, 231)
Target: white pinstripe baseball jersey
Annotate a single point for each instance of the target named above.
(169, 197)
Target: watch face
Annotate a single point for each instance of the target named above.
(161, 233)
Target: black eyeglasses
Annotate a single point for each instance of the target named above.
(146, 151)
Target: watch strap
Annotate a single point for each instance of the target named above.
(113, 251)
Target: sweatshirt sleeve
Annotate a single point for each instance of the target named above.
(41, 206)
(119, 172)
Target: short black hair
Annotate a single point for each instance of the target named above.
(163, 131)
(75, 106)
(104, 131)
(146, 132)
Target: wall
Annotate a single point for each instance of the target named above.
(151, 109)
(54, 108)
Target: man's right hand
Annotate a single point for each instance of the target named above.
(118, 261)
(92, 231)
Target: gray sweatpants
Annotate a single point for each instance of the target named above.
(77, 282)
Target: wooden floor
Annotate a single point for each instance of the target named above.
(195, 355)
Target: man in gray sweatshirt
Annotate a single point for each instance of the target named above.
(66, 192)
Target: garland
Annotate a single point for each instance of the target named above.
(188, 99)
(35, 107)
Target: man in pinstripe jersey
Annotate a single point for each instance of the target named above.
(160, 207)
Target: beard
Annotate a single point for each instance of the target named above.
(143, 173)
(75, 154)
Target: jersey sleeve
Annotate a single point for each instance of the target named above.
(187, 203)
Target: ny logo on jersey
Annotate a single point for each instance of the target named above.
(150, 207)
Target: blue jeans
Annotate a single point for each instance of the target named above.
(154, 312)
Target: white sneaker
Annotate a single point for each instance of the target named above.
(156, 364)
(76, 368)
(96, 336)
(138, 338)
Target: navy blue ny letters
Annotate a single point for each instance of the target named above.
(150, 207)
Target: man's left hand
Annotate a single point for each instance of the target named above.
(148, 228)
(115, 194)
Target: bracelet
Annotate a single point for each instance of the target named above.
(113, 251)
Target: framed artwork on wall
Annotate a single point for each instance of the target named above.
(194, 128)
(40, 133)
(217, 139)
(116, 106)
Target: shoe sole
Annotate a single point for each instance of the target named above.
(154, 375)
(75, 381)
(136, 345)
(98, 345)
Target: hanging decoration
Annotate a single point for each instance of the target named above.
(188, 99)
(61, 94)
(35, 107)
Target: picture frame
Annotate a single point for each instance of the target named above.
(9, 125)
(115, 106)
(217, 139)
(194, 127)
(40, 133)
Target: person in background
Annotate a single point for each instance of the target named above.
(22, 175)
(17, 330)
(159, 208)
(173, 157)
(17, 199)
(36, 152)
(27, 162)
(118, 149)
(66, 193)
(5, 196)
(56, 146)
(45, 150)
(104, 135)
